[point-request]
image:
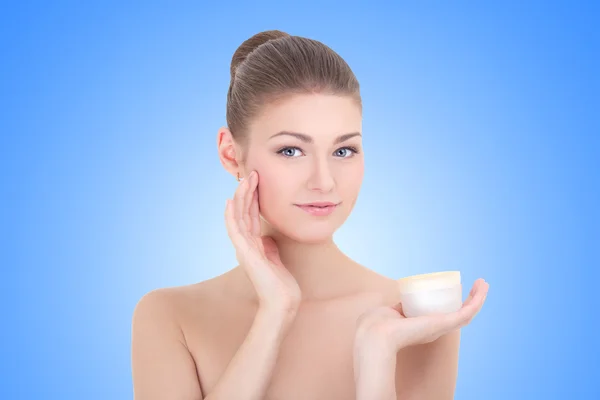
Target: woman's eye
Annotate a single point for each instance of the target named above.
(288, 151)
(292, 152)
(346, 152)
(343, 152)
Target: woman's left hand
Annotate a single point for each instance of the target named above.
(386, 327)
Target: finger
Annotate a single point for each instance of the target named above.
(471, 293)
(248, 196)
(433, 326)
(238, 201)
(485, 289)
(466, 314)
(470, 304)
(460, 318)
(474, 290)
(255, 214)
(255, 230)
(233, 229)
(484, 286)
(450, 321)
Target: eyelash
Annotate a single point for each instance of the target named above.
(351, 148)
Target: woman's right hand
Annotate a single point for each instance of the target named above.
(276, 288)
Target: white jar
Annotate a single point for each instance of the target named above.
(433, 293)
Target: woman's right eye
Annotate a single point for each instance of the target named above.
(289, 152)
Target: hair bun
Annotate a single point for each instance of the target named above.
(249, 45)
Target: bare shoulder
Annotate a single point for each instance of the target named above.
(173, 304)
(387, 287)
(163, 361)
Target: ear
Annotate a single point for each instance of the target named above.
(230, 153)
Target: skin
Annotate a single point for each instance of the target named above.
(282, 324)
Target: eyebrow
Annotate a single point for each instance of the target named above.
(307, 139)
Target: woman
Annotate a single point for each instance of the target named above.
(296, 319)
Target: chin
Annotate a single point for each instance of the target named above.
(310, 234)
(301, 227)
(308, 230)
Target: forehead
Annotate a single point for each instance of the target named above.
(316, 115)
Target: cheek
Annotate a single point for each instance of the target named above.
(360, 171)
(353, 178)
(272, 186)
(350, 188)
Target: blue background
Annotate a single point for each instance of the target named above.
(481, 137)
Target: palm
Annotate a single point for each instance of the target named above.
(258, 254)
(269, 249)
(389, 324)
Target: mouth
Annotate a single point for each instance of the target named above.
(318, 208)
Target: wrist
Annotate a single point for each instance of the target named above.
(277, 319)
(374, 371)
(374, 341)
(371, 351)
(282, 306)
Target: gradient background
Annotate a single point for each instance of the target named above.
(482, 148)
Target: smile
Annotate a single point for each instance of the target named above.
(318, 209)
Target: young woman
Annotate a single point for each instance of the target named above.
(297, 318)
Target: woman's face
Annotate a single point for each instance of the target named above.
(322, 162)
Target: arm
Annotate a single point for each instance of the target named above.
(399, 358)
(163, 368)
(429, 371)
(249, 372)
(418, 372)
(374, 368)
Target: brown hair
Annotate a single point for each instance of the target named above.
(272, 65)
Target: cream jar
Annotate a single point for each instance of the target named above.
(433, 293)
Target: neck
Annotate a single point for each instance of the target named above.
(317, 267)
(321, 269)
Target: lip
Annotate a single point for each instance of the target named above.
(318, 208)
(318, 204)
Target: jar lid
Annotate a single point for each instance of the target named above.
(431, 281)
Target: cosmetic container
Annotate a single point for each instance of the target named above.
(433, 293)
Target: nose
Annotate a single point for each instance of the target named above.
(321, 177)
